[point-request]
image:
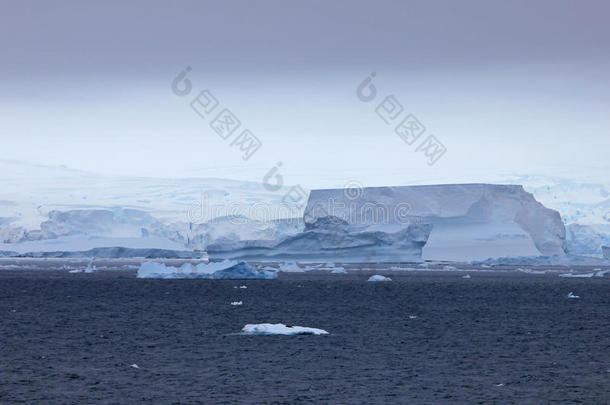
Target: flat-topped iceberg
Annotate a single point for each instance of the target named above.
(457, 222)
(280, 329)
(225, 270)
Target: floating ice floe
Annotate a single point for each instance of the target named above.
(466, 276)
(76, 271)
(134, 365)
(338, 270)
(571, 295)
(291, 267)
(412, 316)
(280, 329)
(572, 275)
(225, 270)
(449, 268)
(378, 277)
(237, 303)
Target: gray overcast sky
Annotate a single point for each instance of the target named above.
(519, 86)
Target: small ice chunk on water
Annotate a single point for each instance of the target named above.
(134, 365)
(449, 268)
(76, 271)
(237, 303)
(466, 276)
(280, 329)
(90, 267)
(338, 270)
(378, 277)
(571, 295)
(412, 316)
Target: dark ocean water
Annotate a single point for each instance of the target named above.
(71, 338)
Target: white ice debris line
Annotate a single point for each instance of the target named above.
(597, 272)
(280, 329)
(571, 295)
(378, 277)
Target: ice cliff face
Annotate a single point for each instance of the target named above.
(587, 239)
(464, 221)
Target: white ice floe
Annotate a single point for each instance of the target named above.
(412, 316)
(219, 270)
(76, 271)
(237, 303)
(338, 270)
(571, 295)
(280, 329)
(134, 365)
(449, 268)
(466, 276)
(378, 277)
(572, 275)
(291, 267)
(601, 273)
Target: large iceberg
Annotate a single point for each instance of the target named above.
(457, 222)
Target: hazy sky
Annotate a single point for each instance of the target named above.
(506, 87)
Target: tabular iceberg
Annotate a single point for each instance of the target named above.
(442, 222)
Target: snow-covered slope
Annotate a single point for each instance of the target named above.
(469, 221)
(72, 210)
